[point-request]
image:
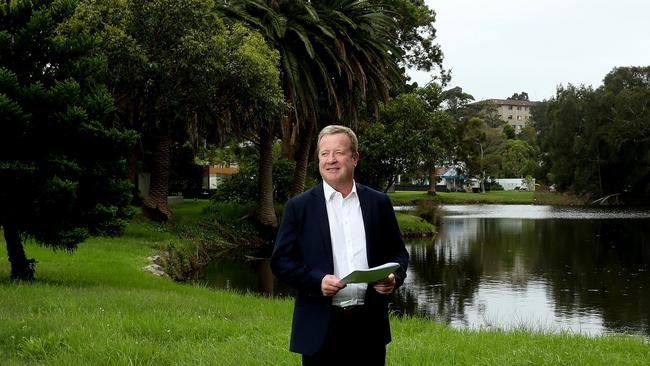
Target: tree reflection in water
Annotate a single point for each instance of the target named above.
(587, 275)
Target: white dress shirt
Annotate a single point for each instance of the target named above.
(348, 242)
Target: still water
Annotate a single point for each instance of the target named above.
(581, 270)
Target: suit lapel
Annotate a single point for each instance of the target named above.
(323, 222)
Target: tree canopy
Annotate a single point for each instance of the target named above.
(597, 140)
(180, 74)
(412, 135)
(62, 160)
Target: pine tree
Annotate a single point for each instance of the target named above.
(62, 161)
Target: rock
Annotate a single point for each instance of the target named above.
(154, 258)
(155, 269)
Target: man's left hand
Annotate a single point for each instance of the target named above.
(385, 286)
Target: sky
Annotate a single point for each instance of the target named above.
(500, 47)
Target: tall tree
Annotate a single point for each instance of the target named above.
(438, 142)
(519, 96)
(566, 115)
(518, 158)
(411, 136)
(598, 139)
(392, 147)
(478, 149)
(415, 35)
(333, 53)
(173, 65)
(62, 163)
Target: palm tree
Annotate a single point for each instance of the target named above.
(333, 55)
(291, 26)
(363, 67)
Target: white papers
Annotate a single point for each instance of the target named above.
(371, 275)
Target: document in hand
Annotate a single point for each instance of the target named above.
(371, 275)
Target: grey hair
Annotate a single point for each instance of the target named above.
(334, 129)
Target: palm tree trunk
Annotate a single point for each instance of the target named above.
(265, 213)
(21, 267)
(155, 205)
(287, 138)
(302, 159)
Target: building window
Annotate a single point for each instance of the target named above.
(510, 116)
(510, 107)
(518, 118)
(518, 108)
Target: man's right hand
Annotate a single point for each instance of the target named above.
(330, 285)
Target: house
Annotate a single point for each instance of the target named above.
(517, 113)
(451, 181)
(213, 176)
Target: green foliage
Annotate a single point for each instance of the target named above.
(519, 96)
(181, 76)
(242, 187)
(478, 148)
(415, 33)
(62, 163)
(518, 158)
(282, 178)
(411, 137)
(597, 140)
(412, 225)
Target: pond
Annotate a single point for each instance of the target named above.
(581, 270)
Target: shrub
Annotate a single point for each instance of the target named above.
(242, 187)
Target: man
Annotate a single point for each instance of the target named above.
(327, 232)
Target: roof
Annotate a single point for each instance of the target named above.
(525, 103)
(452, 174)
(219, 170)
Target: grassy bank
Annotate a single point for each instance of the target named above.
(412, 225)
(402, 198)
(97, 307)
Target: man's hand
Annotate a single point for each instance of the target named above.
(330, 285)
(385, 286)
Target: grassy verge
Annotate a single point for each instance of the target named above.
(559, 199)
(402, 198)
(412, 225)
(97, 307)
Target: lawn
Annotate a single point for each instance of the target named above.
(97, 307)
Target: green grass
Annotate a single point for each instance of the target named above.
(559, 199)
(401, 198)
(412, 225)
(97, 307)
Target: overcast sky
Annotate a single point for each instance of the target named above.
(498, 47)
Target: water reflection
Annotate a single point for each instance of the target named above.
(545, 268)
(252, 275)
(555, 271)
(544, 212)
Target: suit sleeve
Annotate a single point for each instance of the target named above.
(286, 261)
(396, 249)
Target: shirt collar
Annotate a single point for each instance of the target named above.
(329, 191)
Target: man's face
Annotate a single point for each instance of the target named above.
(336, 162)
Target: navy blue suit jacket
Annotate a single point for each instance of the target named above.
(302, 256)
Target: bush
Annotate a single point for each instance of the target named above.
(493, 186)
(282, 179)
(242, 187)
